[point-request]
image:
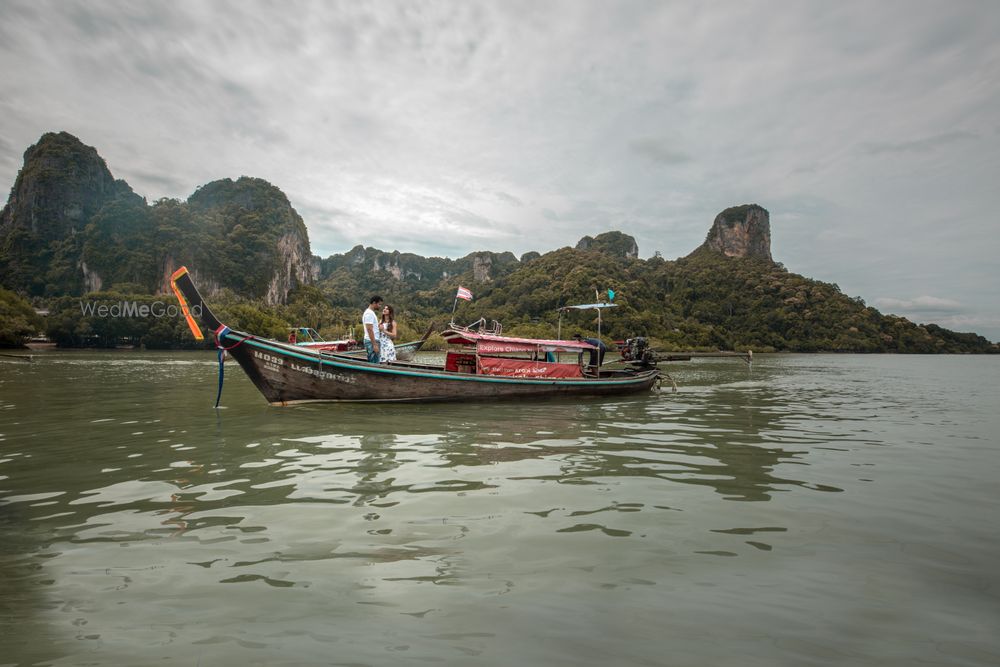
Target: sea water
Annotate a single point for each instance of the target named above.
(812, 510)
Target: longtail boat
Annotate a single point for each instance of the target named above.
(478, 365)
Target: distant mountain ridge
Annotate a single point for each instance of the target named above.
(69, 228)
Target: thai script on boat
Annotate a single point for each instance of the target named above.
(321, 374)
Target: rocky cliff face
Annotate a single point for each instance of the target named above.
(482, 267)
(69, 227)
(419, 272)
(265, 237)
(294, 267)
(396, 265)
(207, 284)
(62, 184)
(611, 243)
(530, 255)
(92, 281)
(741, 231)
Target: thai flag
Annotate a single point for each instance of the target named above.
(464, 294)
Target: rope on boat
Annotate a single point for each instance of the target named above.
(659, 382)
(220, 333)
(222, 372)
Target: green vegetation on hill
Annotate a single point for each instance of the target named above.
(230, 228)
(616, 244)
(708, 300)
(244, 221)
(759, 305)
(736, 214)
(18, 320)
(76, 322)
(62, 186)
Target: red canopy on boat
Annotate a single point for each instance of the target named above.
(490, 344)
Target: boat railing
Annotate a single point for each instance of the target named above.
(493, 328)
(306, 335)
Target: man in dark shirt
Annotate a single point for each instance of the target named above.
(596, 356)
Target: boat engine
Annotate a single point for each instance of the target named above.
(637, 350)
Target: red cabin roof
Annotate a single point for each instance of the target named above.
(490, 344)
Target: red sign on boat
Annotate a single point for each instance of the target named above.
(526, 368)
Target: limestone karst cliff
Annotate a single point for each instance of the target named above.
(265, 238)
(60, 187)
(617, 244)
(415, 271)
(741, 231)
(70, 227)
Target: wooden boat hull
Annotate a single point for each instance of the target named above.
(285, 374)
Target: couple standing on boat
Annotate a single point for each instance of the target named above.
(379, 333)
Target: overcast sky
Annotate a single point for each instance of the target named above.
(869, 130)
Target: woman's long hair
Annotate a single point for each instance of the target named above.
(391, 315)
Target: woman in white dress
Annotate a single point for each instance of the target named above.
(386, 332)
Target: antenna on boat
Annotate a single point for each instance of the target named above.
(585, 306)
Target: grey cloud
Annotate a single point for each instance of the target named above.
(326, 212)
(509, 199)
(659, 151)
(124, 18)
(922, 145)
(9, 152)
(16, 19)
(156, 181)
(802, 206)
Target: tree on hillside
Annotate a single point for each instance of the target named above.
(18, 320)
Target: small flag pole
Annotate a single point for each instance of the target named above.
(463, 294)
